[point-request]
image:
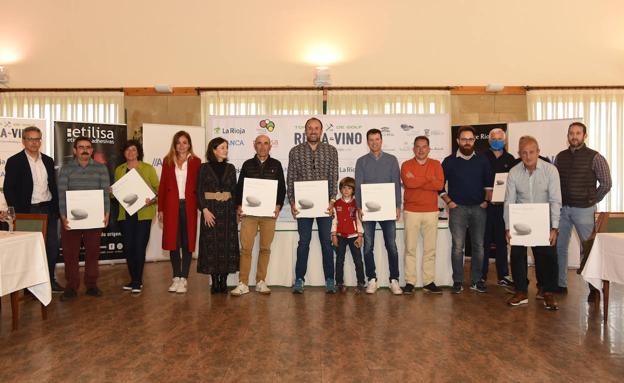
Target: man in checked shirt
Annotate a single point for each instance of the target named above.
(579, 169)
(313, 160)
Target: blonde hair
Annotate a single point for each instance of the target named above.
(171, 155)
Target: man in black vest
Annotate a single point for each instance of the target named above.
(30, 187)
(579, 169)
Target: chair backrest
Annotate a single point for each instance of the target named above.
(32, 222)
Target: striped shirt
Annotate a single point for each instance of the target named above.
(305, 164)
(72, 176)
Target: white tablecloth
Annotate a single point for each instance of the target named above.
(23, 264)
(284, 255)
(606, 260)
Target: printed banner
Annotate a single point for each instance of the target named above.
(483, 131)
(108, 140)
(11, 142)
(346, 133)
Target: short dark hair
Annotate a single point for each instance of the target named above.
(138, 147)
(29, 129)
(212, 145)
(347, 181)
(421, 138)
(82, 138)
(373, 131)
(466, 128)
(578, 123)
(313, 119)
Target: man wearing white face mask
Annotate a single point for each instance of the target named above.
(500, 161)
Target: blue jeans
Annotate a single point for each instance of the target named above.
(583, 220)
(460, 219)
(389, 233)
(304, 228)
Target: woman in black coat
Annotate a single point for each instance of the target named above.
(218, 237)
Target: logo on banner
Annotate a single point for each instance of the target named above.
(406, 127)
(97, 135)
(218, 130)
(236, 142)
(339, 135)
(267, 124)
(10, 132)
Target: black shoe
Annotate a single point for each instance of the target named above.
(223, 282)
(136, 288)
(127, 287)
(479, 287)
(432, 288)
(562, 290)
(68, 294)
(408, 289)
(458, 287)
(94, 292)
(214, 285)
(56, 288)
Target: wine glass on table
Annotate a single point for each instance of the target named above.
(11, 217)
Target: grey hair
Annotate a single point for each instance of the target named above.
(497, 130)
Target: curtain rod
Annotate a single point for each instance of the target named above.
(61, 90)
(587, 87)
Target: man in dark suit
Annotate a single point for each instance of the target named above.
(30, 187)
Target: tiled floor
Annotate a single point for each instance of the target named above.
(198, 337)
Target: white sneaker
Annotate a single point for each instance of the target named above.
(372, 286)
(262, 288)
(181, 286)
(240, 289)
(395, 288)
(174, 285)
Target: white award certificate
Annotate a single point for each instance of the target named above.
(259, 197)
(378, 202)
(131, 191)
(85, 209)
(311, 199)
(500, 187)
(529, 224)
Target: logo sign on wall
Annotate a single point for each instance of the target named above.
(108, 140)
(11, 142)
(482, 133)
(346, 133)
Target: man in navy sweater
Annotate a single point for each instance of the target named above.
(470, 180)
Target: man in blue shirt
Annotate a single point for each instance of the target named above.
(470, 179)
(374, 168)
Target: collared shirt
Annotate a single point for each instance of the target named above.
(541, 186)
(180, 173)
(73, 176)
(41, 192)
(305, 164)
(371, 169)
(462, 155)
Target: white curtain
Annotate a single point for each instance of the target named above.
(101, 107)
(341, 102)
(253, 103)
(602, 110)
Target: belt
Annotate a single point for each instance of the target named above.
(40, 204)
(219, 196)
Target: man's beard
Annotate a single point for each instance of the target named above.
(313, 139)
(575, 144)
(466, 151)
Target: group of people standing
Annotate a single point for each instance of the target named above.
(464, 181)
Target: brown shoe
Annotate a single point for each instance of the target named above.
(518, 299)
(549, 302)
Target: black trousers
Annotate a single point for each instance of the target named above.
(357, 260)
(545, 267)
(181, 266)
(135, 237)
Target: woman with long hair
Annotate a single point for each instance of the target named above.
(218, 236)
(136, 228)
(177, 207)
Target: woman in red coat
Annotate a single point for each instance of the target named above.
(177, 207)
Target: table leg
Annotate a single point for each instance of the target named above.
(44, 312)
(15, 301)
(605, 301)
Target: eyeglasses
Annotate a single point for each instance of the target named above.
(466, 140)
(32, 139)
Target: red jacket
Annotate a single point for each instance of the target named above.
(168, 201)
(346, 222)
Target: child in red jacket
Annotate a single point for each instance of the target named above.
(347, 230)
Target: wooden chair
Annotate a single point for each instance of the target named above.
(28, 222)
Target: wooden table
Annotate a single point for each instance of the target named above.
(24, 265)
(605, 264)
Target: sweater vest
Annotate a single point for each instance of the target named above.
(578, 180)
